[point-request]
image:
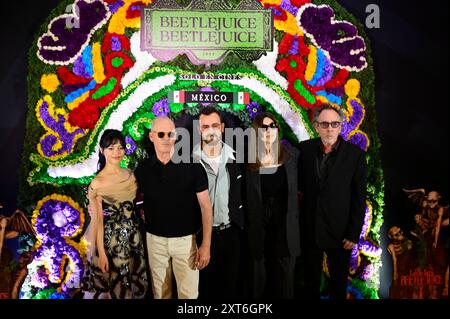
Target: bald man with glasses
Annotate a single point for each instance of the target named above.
(176, 208)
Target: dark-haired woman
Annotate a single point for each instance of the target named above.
(272, 211)
(116, 264)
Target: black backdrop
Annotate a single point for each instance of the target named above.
(410, 52)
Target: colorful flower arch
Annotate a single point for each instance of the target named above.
(85, 81)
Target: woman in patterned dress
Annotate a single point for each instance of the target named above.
(116, 265)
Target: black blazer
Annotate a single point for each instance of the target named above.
(334, 209)
(254, 208)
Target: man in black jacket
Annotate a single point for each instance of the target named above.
(219, 280)
(332, 177)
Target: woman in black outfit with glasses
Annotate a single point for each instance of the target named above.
(272, 211)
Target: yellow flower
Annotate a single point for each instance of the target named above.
(312, 63)
(119, 21)
(49, 82)
(352, 88)
(289, 26)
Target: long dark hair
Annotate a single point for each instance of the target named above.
(256, 125)
(108, 138)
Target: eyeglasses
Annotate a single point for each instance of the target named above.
(432, 201)
(267, 126)
(214, 126)
(161, 135)
(327, 124)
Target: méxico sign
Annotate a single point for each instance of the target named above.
(206, 31)
(209, 97)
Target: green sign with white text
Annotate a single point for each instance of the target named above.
(207, 32)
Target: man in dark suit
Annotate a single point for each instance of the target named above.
(332, 177)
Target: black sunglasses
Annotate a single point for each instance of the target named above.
(327, 124)
(161, 135)
(271, 125)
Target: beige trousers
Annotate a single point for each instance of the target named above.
(175, 254)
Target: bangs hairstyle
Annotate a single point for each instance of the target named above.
(109, 137)
(257, 125)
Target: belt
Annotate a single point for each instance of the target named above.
(221, 227)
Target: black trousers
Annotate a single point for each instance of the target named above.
(272, 277)
(338, 262)
(219, 279)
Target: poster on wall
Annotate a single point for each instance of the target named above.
(420, 256)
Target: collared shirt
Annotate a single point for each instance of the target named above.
(218, 181)
(325, 162)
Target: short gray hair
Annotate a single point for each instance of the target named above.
(324, 107)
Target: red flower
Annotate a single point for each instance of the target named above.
(294, 66)
(285, 44)
(107, 42)
(87, 113)
(299, 3)
(134, 10)
(85, 117)
(278, 13)
(68, 78)
(339, 79)
(117, 71)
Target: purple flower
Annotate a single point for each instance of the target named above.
(135, 8)
(328, 71)
(40, 279)
(294, 46)
(339, 38)
(358, 113)
(115, 44)
(72, 37)
(54, 247)
(161, 108)
(367, 272)
(67, 138)
(349, 126)
(79, 68)
(338, 91)
(253, 108)
(113, 7)
(286, 5)
(359, 140)
(130, 145)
